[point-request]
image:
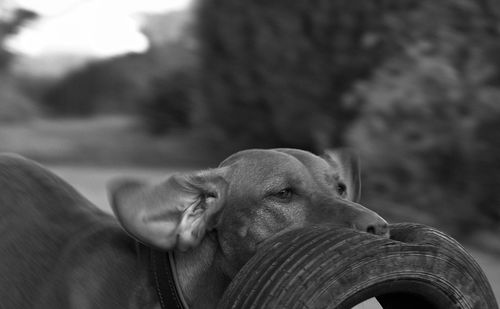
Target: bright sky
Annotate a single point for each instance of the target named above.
(87, 27)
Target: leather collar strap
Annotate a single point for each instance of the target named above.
(161, 266)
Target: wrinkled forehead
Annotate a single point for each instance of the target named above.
(260, 167)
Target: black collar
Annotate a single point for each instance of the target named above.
(161, 266)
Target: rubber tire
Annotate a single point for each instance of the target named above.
(328, 267)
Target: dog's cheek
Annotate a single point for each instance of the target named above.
(235, 251)
(263, 228)
(236, 241)
(275, 218)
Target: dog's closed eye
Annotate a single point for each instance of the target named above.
(284, 195)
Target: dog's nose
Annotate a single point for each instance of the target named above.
(381, 229)
(373, 224)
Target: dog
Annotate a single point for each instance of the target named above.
(57, 250)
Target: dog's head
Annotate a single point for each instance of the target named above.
(252, 196)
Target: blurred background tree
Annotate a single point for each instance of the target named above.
(121, 84)
(170, 106)
(423, 116)
(14, 105)
(281, 68)
(11, 20)
(413, 85)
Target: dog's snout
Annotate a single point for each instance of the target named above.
(373, 224)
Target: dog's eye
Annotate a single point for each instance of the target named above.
(284, 195)
(341, 189)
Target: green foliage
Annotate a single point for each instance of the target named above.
(429, 121)
(10, 22)
(171, 103)
(14, 105)
(115, 85)
(280, 68)
(103, 86)
(485, 174)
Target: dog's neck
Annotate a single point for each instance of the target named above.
(200, 274)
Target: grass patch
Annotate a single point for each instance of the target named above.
(105, 140)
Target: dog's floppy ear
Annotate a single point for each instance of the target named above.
(173, 214)
(347, 163)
